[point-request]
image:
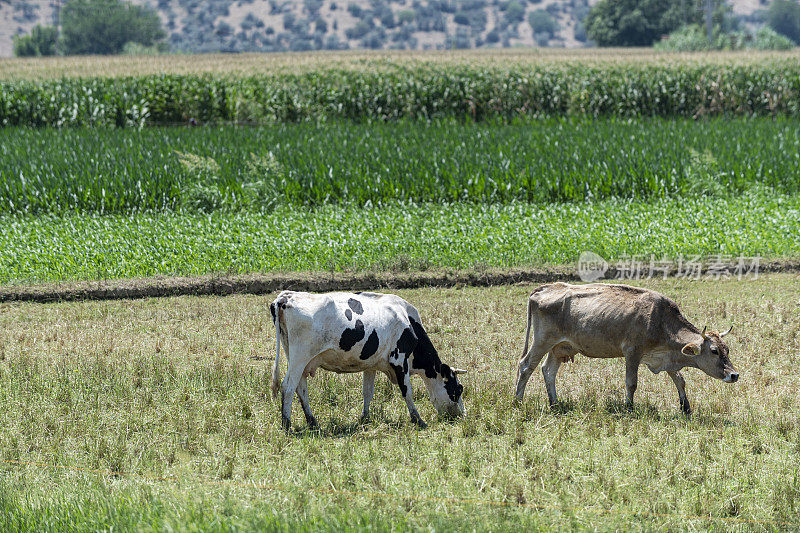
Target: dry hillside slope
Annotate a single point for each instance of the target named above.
(281, 25)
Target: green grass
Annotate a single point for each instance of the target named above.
(118, 171)
(394, 237)
(168, 388)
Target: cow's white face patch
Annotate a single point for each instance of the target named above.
(445, 392)
(442, 401)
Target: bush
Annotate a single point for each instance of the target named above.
(136, 49)
(204, 190)
(405, 16)
(104, 26)
(783, 16)
(768, 39)
(355, 10)
(541, 22)
(515, 12)
(358, 31)
(41, 42)
(580, 32)
(695, 38)
(636, 22)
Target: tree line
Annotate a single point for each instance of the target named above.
(116, 26)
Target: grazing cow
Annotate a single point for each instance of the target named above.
(603, 320)
(363, 332)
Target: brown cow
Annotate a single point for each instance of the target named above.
(604, 320)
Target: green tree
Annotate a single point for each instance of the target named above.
(105, 26)
(541, 22)
(783, 16)
(41, 42)
(642, 22)
(515, 12)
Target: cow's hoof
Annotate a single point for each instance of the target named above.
(286, 423)
(312, 424)
(364, 419)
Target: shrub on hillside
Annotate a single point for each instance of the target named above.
(41, 42)
(105, 26)
(694, 38)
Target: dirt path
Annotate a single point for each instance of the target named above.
(163, 286)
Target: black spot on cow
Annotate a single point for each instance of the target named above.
(356, 306)
(406, 342)
(425, 355)
(272, 311)
(348, 314)
(400, 371)
(350, 336)
(371, 346)
(451, 384)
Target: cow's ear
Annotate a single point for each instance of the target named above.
(691, 349)
(458, 371)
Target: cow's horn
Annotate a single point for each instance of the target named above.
(729, 330)
(458, 371)
(703, 333)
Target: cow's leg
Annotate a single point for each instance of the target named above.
(549, 371)
(302, 395)
(399, 363)
(527, 365)
(288, 388)
(369, 391)
(680, 384)
(632, 361)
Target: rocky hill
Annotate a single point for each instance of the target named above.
(281, 25)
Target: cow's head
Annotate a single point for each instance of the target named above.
(445, 391)
(711, 356)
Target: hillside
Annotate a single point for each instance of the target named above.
(281, 25)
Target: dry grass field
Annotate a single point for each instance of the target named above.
(155, 415)
(299, 62)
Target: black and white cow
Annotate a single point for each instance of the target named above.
(362, 332)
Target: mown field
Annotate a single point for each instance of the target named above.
(156, 414)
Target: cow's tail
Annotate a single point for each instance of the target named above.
(276, 368)
(528, 330)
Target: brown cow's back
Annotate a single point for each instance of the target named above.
(599, 318)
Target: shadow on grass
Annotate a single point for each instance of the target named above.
(332, 429)
(335, 429)
(641, 411)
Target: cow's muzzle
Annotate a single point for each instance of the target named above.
(453, 411)
(733, 377)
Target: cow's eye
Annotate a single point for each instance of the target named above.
(714, 350)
